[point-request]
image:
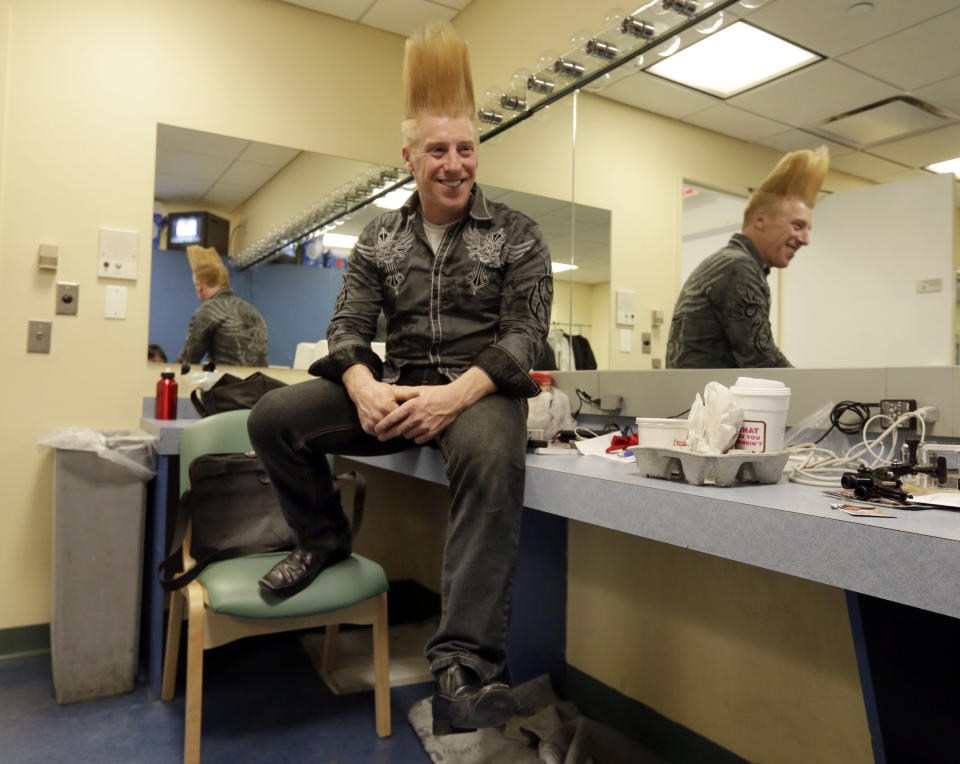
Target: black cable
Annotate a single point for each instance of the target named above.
(584, 398)
(851, 427)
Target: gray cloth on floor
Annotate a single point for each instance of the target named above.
(547, 731)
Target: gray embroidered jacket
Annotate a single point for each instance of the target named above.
(229, 329)
(483, 300)
(722, 316)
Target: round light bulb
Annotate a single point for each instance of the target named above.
(712, 24)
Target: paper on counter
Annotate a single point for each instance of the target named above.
(942, 499)
(598, 447)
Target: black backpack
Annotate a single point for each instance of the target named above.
(233, 511)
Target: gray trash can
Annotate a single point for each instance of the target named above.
(98, 528)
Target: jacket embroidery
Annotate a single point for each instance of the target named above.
(389, 250)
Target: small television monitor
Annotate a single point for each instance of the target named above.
(202, 228)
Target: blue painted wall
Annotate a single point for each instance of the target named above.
(296, 301)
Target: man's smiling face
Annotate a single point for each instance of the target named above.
(778, 236)
(444, 162)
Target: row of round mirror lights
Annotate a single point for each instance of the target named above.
(324, 216)
(622, 33)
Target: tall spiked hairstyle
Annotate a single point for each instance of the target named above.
(798, 175)
(436, 79)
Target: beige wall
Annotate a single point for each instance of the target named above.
(759, 662)
(87, 83)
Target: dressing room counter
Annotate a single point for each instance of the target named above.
(913, 558)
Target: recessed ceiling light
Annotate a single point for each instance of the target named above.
(560, 267)
(733, 60)
(947, 166)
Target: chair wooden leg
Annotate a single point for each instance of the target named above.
(381, 668)
(172, 652)
(329, 658)
(194, 695)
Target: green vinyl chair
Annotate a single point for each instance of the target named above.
(225, 603)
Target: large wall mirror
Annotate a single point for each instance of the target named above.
(604, 170)
(255, 187)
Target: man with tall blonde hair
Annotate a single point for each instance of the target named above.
(466, 288)
(226, 329)
(722, 316)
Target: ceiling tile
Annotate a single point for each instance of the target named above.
(458, 4)
(865, 166)
(229, 195)
(351, 10)
(646, 91)
(825, 27)
(248, 174)
(191, 164)
(925, 149)
(945, 94)
(735, 122)
(814, 94)
(915, 57)
(798, 140)
(404, 17)
(172, 188)
(264, 153)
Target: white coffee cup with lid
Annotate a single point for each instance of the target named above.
(765, 403)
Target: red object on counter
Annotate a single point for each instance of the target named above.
(166, 397)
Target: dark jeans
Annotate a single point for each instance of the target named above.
(293, 429)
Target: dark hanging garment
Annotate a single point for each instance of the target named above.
(547, 360)
(582, 353)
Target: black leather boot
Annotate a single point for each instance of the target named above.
(318, 549)
(462, 703)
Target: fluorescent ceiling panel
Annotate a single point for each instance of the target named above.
(950, 165)
(733, 60)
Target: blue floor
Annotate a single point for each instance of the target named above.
(262, 701)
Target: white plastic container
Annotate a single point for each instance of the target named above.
(661, 432)
(765, 403)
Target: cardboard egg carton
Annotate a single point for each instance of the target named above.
(731, 468)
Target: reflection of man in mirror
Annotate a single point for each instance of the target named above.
(722, 316)
(226, 328)
(466, 287)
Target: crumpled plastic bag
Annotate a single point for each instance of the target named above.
(550, 411)
(715, 420)
(134, 450)
(204, 380)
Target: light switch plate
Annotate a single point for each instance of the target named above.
(116, 302)
(38, 336)
(625, 340)
(68, 298)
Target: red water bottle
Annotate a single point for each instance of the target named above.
(166, 397)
